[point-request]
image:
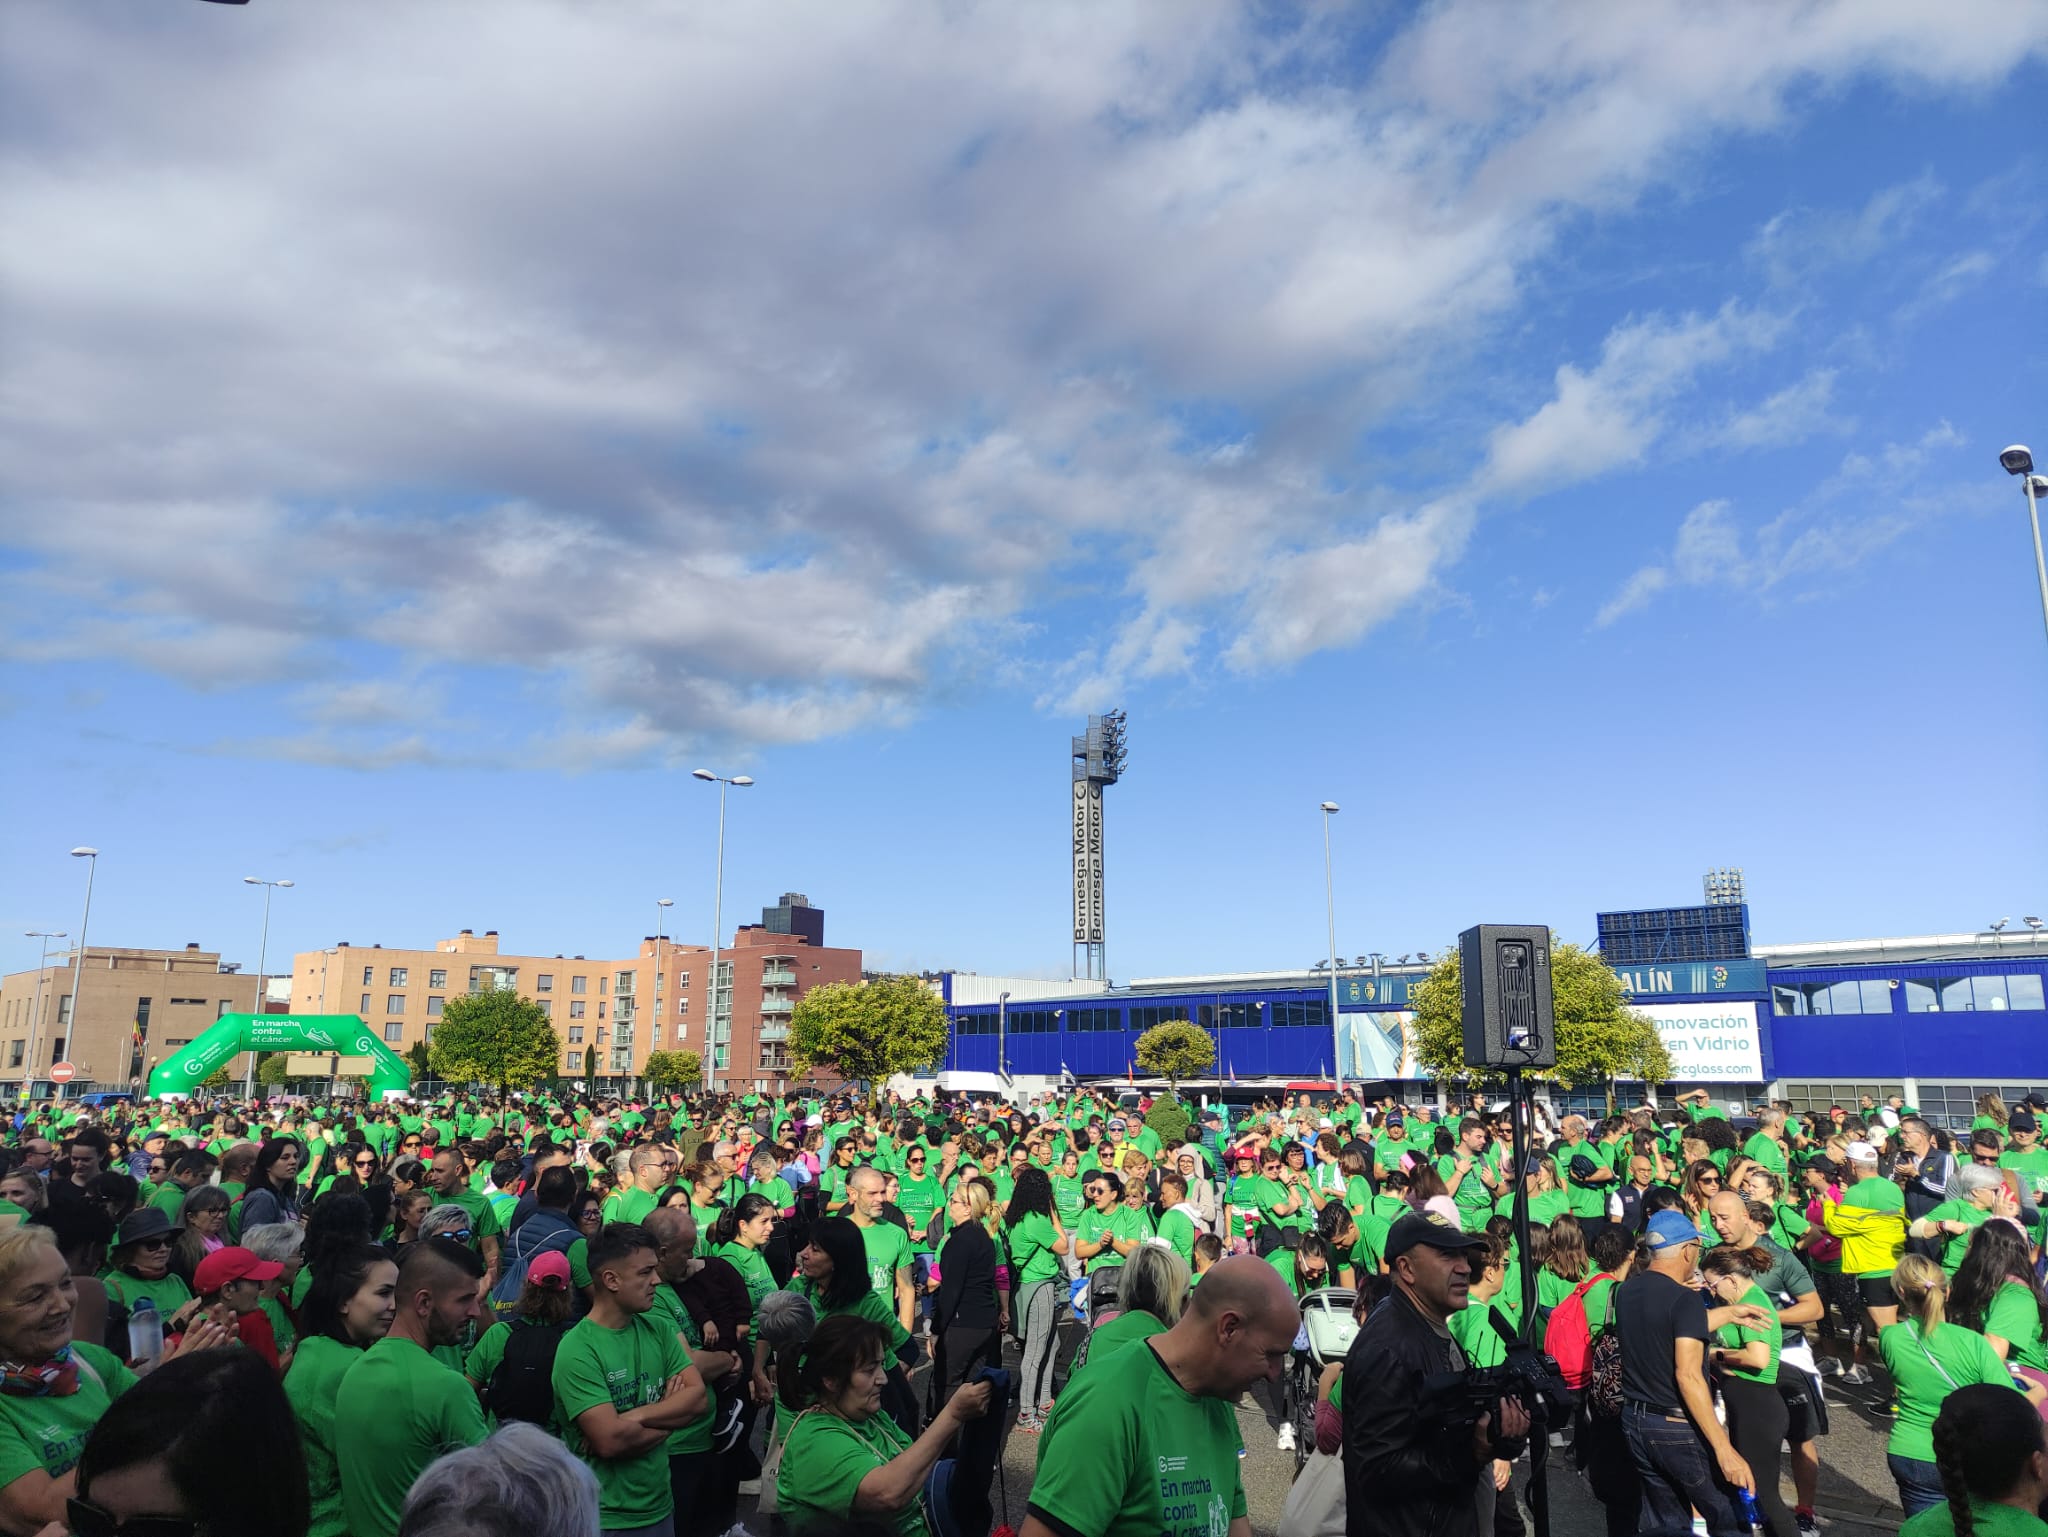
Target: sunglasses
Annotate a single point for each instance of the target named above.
(158, 1242)
(410, 1142)
(88, 1520)
(366, 1163)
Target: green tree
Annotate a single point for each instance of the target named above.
(1169, 1120)
(494, 1037)
(1175, 1049)
(271, 1069)
(868, 1030)
(419, 1059)
(217, 1079)
(1599, 1038)
(669, 1067)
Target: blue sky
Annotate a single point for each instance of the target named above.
(1569, 444)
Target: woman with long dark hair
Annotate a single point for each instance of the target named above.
(1035, 1241)
(273, 1193)
(349, 1306)
(1994, 1293)
(738, 1235)
(832, 1273)
(1988, 1445)
(1746, 1366)
(206, 1225)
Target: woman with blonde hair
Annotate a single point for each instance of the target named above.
(969, 1310)
(1991, 1113)
(1153, 1290)
(1929, 1358)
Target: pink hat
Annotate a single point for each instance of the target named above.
(550, 1270)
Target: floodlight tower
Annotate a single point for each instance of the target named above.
(1098, 761)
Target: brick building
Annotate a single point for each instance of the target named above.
(135, 1007)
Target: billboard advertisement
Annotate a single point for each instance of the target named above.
(1374, 1044)
(1709, 1040)
(1087, 862)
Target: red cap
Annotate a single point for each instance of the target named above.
(232, 1264)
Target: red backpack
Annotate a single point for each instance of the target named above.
(1570, 1337)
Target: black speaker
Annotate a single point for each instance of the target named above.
(1509, 1021)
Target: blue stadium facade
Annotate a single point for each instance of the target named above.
(1940, 1019)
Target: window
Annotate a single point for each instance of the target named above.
(394, 1030)
(1298, 1013)
(682, 979)
(654, 1035)
(571, 1062)
(600, 1008)
(226, 1007)
(394, 1003)
(364, 1009)
(57, 1049)
(14, 1051)
(601, 1035)
(1098, 1021)
(437, 978)
(579, 984)
(369, 976)
(600, 985)
(575, 1008)
(774, 1057)
(142, 1012)
(544, 982)
(428, 1034)
(434, 1006)
(64, 1010)
(170, 1041)
(622, 985)
(545, 1005)
(142, 1005)
(1950, 995)
(974, 1024)
(1032, 1022)
(575, 1035)
(398, 976)
(1855, 997)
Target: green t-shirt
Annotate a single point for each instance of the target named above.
(1067, 1199)
(2032, 1163)
(311, 1386)
(868, 1306)
(282, 1329)
(1956, 1245)
(1096, 1228)
(823, 1462)
(920, 1199)
(626, 1368)
(668, 1307)
(752, 1267)
(168, 1292)
(1735, 1336)
(397, 1410)
(1030, 1243)
(628, 1204)
(1985, 1520)
(1472, 1196)
(1131, 1453)
(170, 1200)
(1120, 1333)
(2015, 1317)
(777, 1192)
(1178, 1229)
(1766, 1151)
(483, 1218)
(1477, 1335)
(1960, 1357)
(49, 1433)
(888, 1249)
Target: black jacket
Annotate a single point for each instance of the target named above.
(1402, 1478)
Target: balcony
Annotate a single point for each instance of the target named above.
(774, 1033)
(776, 976)
(778, 1005)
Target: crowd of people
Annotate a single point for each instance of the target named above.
(573, 1314)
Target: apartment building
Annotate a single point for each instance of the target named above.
(609, 1013)
(134, 1008)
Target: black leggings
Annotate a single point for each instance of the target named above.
(1757, 1417)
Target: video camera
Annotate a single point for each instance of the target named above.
(1528, 1376)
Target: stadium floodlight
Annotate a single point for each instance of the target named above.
(1999, 926)
(2032, 923)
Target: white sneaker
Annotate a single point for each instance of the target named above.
(1286, 1438)
(1828, 1366)
(1857, 1377)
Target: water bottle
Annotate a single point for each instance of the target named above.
(145, 1333)
(1751, 1516)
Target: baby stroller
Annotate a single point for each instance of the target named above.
(1327, 1330)
(1096, 1302)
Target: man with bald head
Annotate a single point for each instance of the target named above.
(1152, 1449)
(1403, 1473)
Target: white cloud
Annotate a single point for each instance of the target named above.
(1799, 411)
(735, 378)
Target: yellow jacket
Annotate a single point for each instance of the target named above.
(1872, 1241)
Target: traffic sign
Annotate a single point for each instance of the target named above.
(62, 1072)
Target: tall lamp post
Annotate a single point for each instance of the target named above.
(661, 907)
(738, 782)
(1330, 907)
(91, 856)
(35, 1012)
(262, 988)
(2016, 460)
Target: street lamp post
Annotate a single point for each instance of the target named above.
(1002, 1035)
(35, 1011)
(739, 782)
(1330, 907)
(91, 856)
(661, 907)
(2018, 461)
(262, 989)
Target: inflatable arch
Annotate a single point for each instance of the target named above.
(233, 1034)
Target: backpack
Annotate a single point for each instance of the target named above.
(523, 1386)
(557, 1238)
(1570, 1335)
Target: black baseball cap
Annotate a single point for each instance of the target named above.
(1429, 1227)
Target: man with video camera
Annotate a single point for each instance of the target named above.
(1410, 1466)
